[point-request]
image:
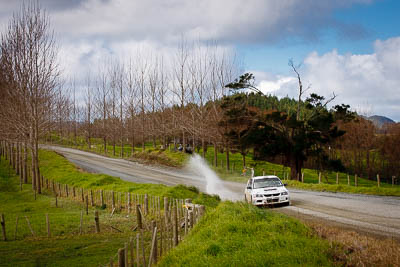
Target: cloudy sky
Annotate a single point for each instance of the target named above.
(349, 47)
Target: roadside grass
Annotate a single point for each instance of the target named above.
(238, 234)
(65, 247)
(56, 167)
(368, 190)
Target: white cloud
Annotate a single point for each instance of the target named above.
(271, 87)
(368, 82)
(165, 20)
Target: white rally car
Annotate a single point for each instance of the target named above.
(266, 190)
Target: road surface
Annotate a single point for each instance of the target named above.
(377, 215)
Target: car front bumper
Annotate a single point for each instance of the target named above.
(266, 201)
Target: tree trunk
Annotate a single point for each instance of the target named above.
(215, 155)
(24, 164)
(244, 160)
(227, 157)
(114, 145)
(368, 165)
(183, 141)
(203, 146)
(295, 167)
(38, 184)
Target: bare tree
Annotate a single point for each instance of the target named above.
(29, 53)
(131, 103)
(88, 110)
(102, 95)
(141, 81)
(181, 85)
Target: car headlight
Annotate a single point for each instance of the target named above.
(285, 193)
(258, 195)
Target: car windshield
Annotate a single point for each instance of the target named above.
(267, 182)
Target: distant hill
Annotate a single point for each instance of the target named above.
(379, 121)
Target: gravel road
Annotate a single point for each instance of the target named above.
(377, 215)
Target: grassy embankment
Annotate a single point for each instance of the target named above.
(177, 159)
(231, 234)
(56, 167)
(237, 234)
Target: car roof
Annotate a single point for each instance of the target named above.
(266, 176)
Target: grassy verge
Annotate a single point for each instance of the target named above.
(381, 191)
(55, 166)
(65, 247)
(237, 234)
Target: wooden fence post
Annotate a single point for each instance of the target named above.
(378, 179)
(337, 178)
(186, 221)
(48, 225)
(348, 179)
(96, 220)
(126, 260)
(87, 204)
(139, 217)
(302, 177)
(16, 228)
(175, 228)
(101, 198)
(153, 246)
(154, 243)
(121, 257)
(3, 227)
(146, 205)
(137, 249)
(129, 202)
(191, 219)
(91, 198)
(131, 250)
(143, 251)
(113, 199)
(319, 177)
(81, 224)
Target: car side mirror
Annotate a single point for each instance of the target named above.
(249, 187)
(284, 184)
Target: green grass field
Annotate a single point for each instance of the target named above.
(65, 247)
